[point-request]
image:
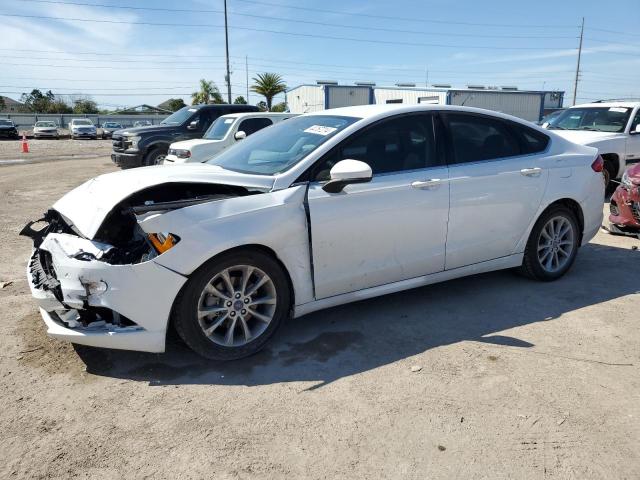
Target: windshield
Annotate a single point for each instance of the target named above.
(6, 123)
(179, 117)
(599, 119)
(112, 125)
(45, 124)
(219, 128)
(82, 122)
(278, 148)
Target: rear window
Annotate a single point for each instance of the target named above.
(532, 141)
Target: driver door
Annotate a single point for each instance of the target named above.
(390, 229)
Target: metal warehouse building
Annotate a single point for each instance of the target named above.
(528, 104)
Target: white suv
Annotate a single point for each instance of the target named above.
(612, 127)
(222, 133)
(82, 128)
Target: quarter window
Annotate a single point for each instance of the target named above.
(396, 145)
(476, 138)
(252, 125)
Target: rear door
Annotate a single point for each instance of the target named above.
(496, 186)
(633, 139)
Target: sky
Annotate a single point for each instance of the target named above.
(146, 51)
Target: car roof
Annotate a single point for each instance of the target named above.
(613, 103)
(258, 114)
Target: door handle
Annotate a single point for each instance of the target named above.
(426, 184)
(531, 172)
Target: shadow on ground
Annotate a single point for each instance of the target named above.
(342, 341)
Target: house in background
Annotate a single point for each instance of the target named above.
(9, 105)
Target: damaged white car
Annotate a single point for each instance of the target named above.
(320, 210)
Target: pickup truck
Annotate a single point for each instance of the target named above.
(613, 127)
(136, 147)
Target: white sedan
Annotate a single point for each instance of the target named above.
(321, 210)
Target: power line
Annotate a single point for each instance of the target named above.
(281, 32)
(335, 12)
(323, 24)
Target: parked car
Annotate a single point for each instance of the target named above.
(612, 127)
(135, 147)
(8, 129)
(109, 127)
(550, 116)
(222, 133)
(320, 210)
(625, 204)
(82, 128)
(141, 123)
(45, 129)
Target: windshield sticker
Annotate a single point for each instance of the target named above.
(192, 110)
(618, 109)
(229, 120)
(320, 130)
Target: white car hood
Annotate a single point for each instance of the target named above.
(189, 144)
(585, 137)
(87, 205)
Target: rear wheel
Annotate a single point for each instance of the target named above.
(552, 246)
(155, 157)
(233, 305)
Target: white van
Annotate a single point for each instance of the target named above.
(225, 131)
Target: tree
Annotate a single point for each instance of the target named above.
(268, 85)
(262, 106)
(36, 101)
(175, 104)
(84, 106)
(208, 93)
(280, 107)
(59, 106)
(240, 101)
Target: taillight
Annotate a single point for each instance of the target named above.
(598, 164)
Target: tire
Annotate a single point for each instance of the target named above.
(155, 157)
(273, 302)
(609, 174)
(535, 264)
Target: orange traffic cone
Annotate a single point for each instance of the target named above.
(25, 144)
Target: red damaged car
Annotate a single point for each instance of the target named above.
(625, 204)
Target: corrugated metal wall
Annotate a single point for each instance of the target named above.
(409, 96)
(305, 98)
(524, 105)
(346, 96)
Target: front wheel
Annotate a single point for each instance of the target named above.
(155, 157)
(233, 305)
(552, 246)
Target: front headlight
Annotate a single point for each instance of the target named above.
(180, 153)
(163, 241)
(134, 141)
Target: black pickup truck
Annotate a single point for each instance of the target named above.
(136, 147)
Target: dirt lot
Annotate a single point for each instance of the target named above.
(48, 150)
(518, 379)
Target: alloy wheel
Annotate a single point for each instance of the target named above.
(556, 244)
(237, 305)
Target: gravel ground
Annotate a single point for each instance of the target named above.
(492, 376)
(48, 150)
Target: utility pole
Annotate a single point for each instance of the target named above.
(226, 42)
(426, 80)
(246, 66)
(575, 85)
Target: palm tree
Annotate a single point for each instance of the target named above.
(208, 93)
(268, 85)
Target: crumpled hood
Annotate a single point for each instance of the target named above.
(586, 137)
(87, 205)
(634, 174)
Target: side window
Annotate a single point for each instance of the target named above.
(396, 145)
(531, 140)
(252, 125)
(205, 120)
(636, 121)
(477, 138)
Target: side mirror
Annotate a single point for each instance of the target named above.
(545, 125)
(636, 130)
(240, 135)
(193, 125)
(346, 172)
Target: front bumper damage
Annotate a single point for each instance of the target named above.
(85, 300)
(624, 208)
